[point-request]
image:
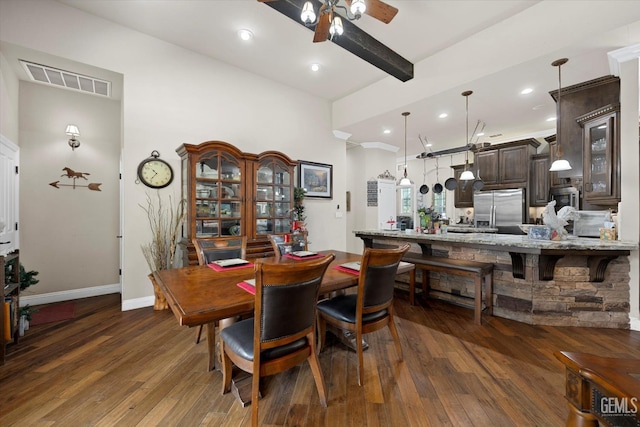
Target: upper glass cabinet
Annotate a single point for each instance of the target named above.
(601, 158)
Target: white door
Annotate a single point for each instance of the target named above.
(9, 184)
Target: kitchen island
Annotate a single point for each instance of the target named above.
(573, 282)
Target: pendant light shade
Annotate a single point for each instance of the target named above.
(467, 175)
(559, 164)
(405, 180)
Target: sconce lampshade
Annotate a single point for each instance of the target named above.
(72, 130)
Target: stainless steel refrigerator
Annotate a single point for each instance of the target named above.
(501, 209)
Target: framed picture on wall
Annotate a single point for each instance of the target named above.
(316, 178)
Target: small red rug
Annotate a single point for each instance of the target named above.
(53, 313)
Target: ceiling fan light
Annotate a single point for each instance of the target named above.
(358, 7)
(308, 15)
(336, 28)
(560, 165)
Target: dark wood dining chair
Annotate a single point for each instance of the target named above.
(280, 247)
(282, 333)
(371, 308)
(215, 249)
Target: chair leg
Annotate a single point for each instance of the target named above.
(360, 356)
(255, 395)
(198, 334)
(394, 334)
(322, 330)
(227, 369)
(314, 363)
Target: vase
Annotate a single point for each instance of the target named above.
(21, 326)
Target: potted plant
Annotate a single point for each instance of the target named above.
(298, 208)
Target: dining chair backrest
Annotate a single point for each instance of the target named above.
(378, 270)
(214, 249)
(277, 286)
(280, 247)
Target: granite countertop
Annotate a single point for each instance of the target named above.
(521, 241)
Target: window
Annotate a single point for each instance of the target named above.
(405, 205)
(440, 203)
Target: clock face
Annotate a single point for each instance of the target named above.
(155, 173)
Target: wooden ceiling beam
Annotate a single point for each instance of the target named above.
(353, 40)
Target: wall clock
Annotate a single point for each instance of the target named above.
(154, 172)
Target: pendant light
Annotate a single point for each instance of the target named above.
(405, 180)
(467, 175)
(559, 164)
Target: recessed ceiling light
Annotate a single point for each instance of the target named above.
(443, 115)
(386, 131)
(526, 91)
(538, 107)
(315, 67)
(551, 119)
(428, 144)
(480, 134)
(245, 34)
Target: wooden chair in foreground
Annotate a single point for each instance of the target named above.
(280, 247)
(371, 308)
(281, 335)
(215, 249)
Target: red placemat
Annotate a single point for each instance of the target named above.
(302, 258)
(235, 267)
(346, 270)
(247, 287)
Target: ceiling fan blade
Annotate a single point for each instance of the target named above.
(379, 10)
(322, 28)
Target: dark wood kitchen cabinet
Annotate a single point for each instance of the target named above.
(229, 193)
(601, 162)
(505, 165)
(463, 194)
(540, 180)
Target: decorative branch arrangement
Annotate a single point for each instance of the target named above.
(70, 173)
(165, 226)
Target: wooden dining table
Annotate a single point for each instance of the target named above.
(200, 295)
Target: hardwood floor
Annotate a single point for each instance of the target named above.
(140, 368)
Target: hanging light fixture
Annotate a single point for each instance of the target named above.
(354, 12)
(559, 164)
(405, 180)
(467, 175)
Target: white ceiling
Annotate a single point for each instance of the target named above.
(506, 45)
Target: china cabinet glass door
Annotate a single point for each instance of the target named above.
(274, 191)
(599, 158)
(218, 195)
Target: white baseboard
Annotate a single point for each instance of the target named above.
(634, 324)
(69, 295)
(132, 304)
(52, 297)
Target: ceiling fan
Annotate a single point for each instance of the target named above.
(329, 24)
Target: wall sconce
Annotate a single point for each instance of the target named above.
(73, 131)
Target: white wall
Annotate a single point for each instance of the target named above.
(68, 235)
(173, 96)
(8, 101)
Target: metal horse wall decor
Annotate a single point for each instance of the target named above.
(71, 174)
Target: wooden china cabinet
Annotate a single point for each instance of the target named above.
(232, 193)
